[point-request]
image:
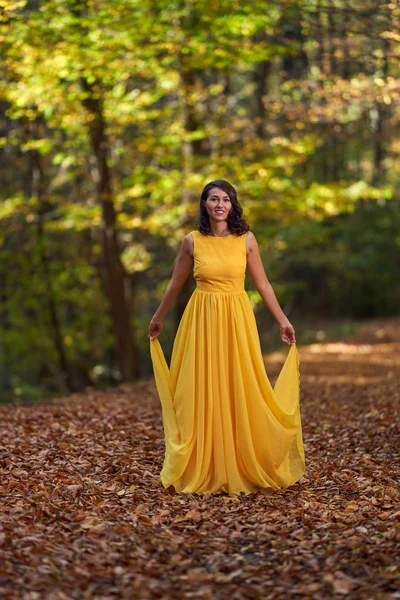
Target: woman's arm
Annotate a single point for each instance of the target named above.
(182, 269)
(265, 289)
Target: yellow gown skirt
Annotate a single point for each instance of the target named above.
(226, 429)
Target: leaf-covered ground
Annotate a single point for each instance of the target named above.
(81, 514)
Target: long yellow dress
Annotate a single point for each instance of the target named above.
(226, 429)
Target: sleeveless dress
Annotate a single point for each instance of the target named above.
(226, 429)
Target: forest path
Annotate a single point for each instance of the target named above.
(81, 515)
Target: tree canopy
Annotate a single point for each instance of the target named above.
(114, 117)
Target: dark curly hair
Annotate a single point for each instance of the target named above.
(237, 225)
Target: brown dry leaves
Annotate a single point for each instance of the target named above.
(82, 514)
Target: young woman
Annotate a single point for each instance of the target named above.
(226, 429)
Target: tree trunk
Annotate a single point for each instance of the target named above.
(346, 43)
(293, 66)
(261, 74)
(333, 65)
(320, 39)
(116, 277)
(5, 382)
(380, 114)
(37, 192)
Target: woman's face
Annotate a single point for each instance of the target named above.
(218, 204)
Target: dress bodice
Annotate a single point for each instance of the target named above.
(219, 262)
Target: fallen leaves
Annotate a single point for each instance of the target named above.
(83, 514)
(341, 583)
(193, 514)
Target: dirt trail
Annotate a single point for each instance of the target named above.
(82, 517)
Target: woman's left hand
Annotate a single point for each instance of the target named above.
(287, 333)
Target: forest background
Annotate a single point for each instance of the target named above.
(114, 115)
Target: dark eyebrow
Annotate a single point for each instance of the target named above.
(215, 196)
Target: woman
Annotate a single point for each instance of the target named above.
(226, 429)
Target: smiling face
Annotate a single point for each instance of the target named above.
(218, 204)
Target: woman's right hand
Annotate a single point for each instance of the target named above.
(155, 328)
(287, 333)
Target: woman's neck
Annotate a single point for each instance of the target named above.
(219, 229)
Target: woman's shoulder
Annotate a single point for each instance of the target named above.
(190, 237)
(250, 241)
(195, 234)
(189, 241)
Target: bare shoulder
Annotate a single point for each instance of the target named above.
(188, 244)
(251, 242)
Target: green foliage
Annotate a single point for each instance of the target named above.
(27, 333)
(260, 93)
(344, 266)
